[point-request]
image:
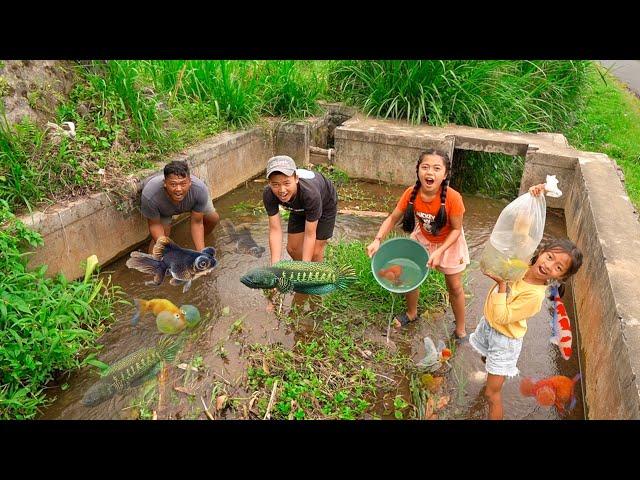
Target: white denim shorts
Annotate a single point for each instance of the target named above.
(502, 352)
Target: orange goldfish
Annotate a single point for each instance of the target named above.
(155, 306)
(392, 273)
(557, 390)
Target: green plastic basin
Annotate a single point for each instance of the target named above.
(404, 256)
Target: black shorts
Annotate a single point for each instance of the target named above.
(324, 231)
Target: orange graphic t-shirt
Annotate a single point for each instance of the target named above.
(425, 212)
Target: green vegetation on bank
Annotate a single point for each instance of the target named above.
(337, 371)
(610, 123)
(129, 114)
(46, 324)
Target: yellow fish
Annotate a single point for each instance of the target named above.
(156, 306)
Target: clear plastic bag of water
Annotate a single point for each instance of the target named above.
(517, 234)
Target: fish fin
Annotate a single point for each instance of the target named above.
(527, 387)
(284, 285)
(160, 246)
(209, 251)
(145, 263)
(576, 378)
(228, 227)
(168, 347)
(186, 287)
(345, 276)
(141, 305)
(572, 405)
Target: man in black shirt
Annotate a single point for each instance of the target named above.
(313, 202)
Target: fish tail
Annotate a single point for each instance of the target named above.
(141, 306)
(168, 348)
(527, 387)
(228, 227)
(148, 264)
(346, 275)
(576, 378)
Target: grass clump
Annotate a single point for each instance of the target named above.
(517, 95)
(46, 324)
(610, 123)
(333, 374)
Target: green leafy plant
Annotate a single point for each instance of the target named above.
(47, 325)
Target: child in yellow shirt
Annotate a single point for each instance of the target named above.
(498, 336)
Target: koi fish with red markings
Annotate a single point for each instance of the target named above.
(560, 325)
(557, 390)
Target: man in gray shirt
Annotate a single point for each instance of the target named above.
(178, 192)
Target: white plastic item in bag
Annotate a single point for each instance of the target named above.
(517, 234)
(433, 355)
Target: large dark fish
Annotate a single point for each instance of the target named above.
(184, 265)
(314, 278)
(132, 370)
(241, 236)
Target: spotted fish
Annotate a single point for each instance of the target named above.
(132, 370)
(316, 278)
(184, 264)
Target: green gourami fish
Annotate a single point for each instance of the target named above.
(315, 278)
(132, 370)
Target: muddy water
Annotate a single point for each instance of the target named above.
(235, 317)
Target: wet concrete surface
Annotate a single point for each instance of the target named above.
(235, 317)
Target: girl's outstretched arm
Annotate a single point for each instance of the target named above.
(384, 230)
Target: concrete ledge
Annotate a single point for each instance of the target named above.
(602, 222)
(550, 160)
(95, 225)
(384, 150)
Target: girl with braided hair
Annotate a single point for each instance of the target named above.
(439, 210)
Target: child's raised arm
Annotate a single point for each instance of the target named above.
(384, 230)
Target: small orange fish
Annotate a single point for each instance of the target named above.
(446, 354)
(156, 306)
(557, 390)
(392, 273)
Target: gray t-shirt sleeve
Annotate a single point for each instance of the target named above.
(148, 208)
(270, 202)
(202, 201)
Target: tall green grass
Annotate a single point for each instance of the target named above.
(46, 324)
(511, 95)
(610, 123)
(129, 114)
